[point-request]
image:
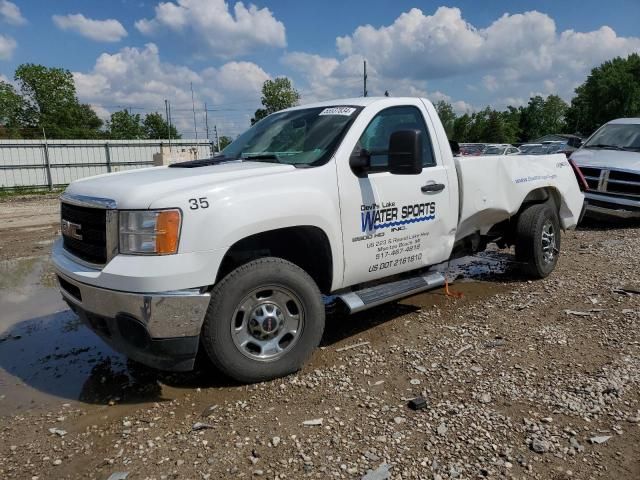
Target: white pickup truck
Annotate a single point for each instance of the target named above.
(355, 198)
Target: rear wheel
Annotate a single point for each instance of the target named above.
(538, 240)
(264, 320)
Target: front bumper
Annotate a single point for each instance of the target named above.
(159, 329)
(598, 204)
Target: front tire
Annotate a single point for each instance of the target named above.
(264, 320)
(538, 240)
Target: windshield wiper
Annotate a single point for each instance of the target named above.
(605, 146)
(261, 156)
(203, 162)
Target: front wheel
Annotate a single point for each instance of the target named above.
(264, 320)
(538, 240)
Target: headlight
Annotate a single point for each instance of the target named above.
(145, 232)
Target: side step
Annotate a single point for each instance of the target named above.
(370, 297)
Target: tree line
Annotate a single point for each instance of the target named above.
(45, 103)
(611, 90)
(46, 98)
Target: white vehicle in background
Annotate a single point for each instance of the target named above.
(529, 148)
(356, 198)
(500, 149)
(610, 163)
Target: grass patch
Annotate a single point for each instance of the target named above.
(29, 191)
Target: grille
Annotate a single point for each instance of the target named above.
(93, 246)
(625, 183)
(615, 182)
(592, 176)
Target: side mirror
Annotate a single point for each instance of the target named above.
(405, 152)
(455, 147)
(360, 162)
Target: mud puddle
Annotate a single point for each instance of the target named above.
(48, 357)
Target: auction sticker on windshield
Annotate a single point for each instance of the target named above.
(346, 111)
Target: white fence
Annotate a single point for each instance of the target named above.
(38, 164)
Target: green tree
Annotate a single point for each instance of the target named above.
(511, 119)
(478, 126)
(612, 90)
(125, 126)
(50, 100)
(277, 95)
(541, 117)
(494, 129)
(12, 112)
(447, 117)
(224, 141)
(553, 115)
(155, 127)
(461, 127)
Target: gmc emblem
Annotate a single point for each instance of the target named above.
(70, 229)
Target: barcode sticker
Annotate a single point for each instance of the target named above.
(346, 111)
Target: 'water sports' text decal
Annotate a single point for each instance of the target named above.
(377, 217)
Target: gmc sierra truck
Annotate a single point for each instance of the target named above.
(233, 255)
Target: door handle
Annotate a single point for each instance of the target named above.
(432, 187)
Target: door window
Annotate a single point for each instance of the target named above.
(377, 134)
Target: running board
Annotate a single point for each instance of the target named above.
(370, 297)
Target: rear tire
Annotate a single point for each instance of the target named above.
(264, 320)
(538, 240)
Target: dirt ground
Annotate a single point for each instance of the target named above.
(522, 379)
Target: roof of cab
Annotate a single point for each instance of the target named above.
(356, 101)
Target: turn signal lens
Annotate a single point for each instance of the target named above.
(167, 232)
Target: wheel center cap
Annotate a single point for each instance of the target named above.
(266, 321)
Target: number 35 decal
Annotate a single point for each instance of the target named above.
(196, 203)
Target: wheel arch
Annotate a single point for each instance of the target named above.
(555, 198)
(306, 246)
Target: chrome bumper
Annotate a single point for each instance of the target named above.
(163, 314)
(611, 206)
(161, 330)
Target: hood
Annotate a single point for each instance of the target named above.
(613, 159)
(140, 188)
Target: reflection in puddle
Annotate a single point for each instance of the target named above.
(46, 354)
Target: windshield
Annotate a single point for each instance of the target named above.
(493, 151)
(299, 137)
(527, 148)
(618, 136)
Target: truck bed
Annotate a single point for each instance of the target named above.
(492, 188)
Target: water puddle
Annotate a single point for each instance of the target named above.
(48, 357)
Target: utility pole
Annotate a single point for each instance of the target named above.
(206, 120)
(167, 109)
(365, 79)
(193, 105)
(215, 129)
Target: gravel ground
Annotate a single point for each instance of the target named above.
(533, 380)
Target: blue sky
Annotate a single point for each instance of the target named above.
(135, 53)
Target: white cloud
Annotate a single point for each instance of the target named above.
(10, 13)
(7, 46)
(138, 79)
(109, 30)
(214, 29)
(517, 47)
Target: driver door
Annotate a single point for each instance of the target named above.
(393, 223)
